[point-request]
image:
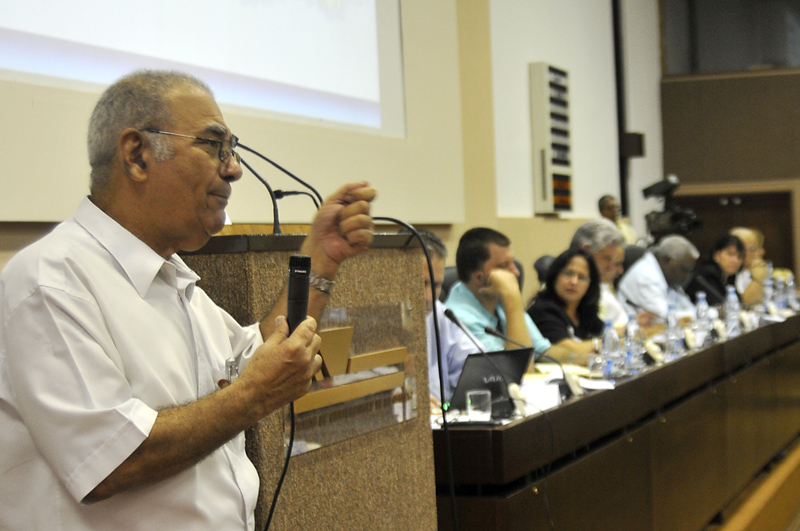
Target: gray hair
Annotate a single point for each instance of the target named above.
(596, 235)
(137, 100)
(675, 247)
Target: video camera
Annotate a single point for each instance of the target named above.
(673, 219)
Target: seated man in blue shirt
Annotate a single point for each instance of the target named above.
(488, 294)
(456, 344)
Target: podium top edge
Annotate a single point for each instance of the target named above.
(242, 243)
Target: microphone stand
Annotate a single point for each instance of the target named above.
(276, 223)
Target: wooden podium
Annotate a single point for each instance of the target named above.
(382, 477)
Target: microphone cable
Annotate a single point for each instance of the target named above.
(285, 466)
(280, 194)
(546, 500)
(445, 427)
(284, 170)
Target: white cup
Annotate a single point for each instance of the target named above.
(479, 405)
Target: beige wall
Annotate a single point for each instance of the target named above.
(448, 71)
(530, 237)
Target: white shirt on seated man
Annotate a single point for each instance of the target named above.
(655, 282)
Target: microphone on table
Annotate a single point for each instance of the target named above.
(572, 388)
(499, 414)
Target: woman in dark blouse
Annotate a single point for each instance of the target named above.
(565, 312)
(718, 271)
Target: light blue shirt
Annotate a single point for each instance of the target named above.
(456, 346)
(475, 318)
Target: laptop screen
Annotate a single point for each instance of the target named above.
(493, 371)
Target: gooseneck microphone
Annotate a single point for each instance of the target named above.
(282, 169)
(571, 388)
(280, 194)
(297, 292)
(276, 223)
(497, 333)
(450, 315)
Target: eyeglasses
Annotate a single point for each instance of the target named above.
(225, 148)
(570, 275)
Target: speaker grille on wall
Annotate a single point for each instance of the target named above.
(550, 139)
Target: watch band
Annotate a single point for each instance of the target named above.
(322, 284)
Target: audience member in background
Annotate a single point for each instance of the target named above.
(656, 281)
(749, 281)
(719, 270)
(609, 209)
(603, 241)
(488, 295)
(566, 310)
(456, 345)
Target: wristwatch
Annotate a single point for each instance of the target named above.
(322, 284)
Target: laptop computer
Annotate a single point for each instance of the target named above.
(494, 371)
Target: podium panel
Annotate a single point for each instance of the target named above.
(365, 432)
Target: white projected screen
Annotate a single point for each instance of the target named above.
(312, 58)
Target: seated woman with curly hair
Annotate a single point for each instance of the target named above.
(565, 311)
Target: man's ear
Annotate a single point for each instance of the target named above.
(133, 153)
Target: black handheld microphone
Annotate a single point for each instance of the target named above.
(297, 296)
(297, 292)
(296, 313)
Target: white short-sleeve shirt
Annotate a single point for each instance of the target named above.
(98, 334)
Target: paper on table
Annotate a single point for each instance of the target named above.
(595, 384)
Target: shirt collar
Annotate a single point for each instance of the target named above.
(140, 263)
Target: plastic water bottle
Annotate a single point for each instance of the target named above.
(779, 296)
(610, 351)
(633, 345)
(769, 293)
(702, 324)
(791, 294)
(674, 333)
(732, 309)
